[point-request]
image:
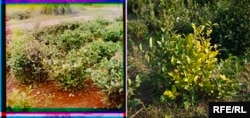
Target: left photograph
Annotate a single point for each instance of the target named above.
(65, 56)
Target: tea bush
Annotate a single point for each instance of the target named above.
(187, 67)
(89, 30)
(95, 27)
(105, 49)
(102, 21)
(69, 36)
(25, 59)
(69, 39)
(71, 70)
(110, 78)
(114, 32)
(57, 29)
(119, 19)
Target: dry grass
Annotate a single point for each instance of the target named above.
(161, 110)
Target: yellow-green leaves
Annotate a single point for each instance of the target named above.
(150, 43)
(223, 77)
(140, 46)
(198, 30)
(159, 43)
(188, 59)
(209, 32)
(173, 61)
(187, 64)
(172, 94)
(196, 78)
(169, 94)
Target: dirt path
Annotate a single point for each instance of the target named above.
(111, 14)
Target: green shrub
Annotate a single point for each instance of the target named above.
(187, 66)
(132, 87)
(119, 19)
(69, 39)
(110, 78)
(114, 32)
(137, 30)
(233, 31)
(102, 21)
(96, 27)
(62, 53)
(105, 49)
(57, 29)
(247, 56)
(237, 69)
(71, 69)
(88, 30)
(172, 15)
(25, 58)
(66, 36)
(232, 67)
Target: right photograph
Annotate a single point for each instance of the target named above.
(183, 54)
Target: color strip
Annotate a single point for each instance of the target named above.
(61, 1)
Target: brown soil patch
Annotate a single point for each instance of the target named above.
(49, 95)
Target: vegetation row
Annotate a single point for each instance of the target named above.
(71, 53)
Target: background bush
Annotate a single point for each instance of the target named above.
(110, 79)
(137, 30)
(177, 16)
(58, 9)
(233, 31)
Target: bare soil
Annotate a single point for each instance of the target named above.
(50, 95)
